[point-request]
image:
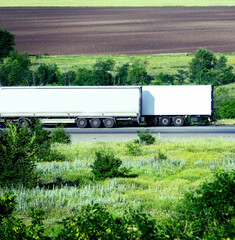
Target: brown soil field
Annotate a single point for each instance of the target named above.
(149, 30)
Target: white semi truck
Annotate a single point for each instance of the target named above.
(104, 106)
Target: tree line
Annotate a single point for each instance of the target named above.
(15, 70)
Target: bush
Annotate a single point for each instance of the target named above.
(106, 165)
(95, 222)
(145, 137)
(208, 212)
(17, 156)
(133, 149)
(43, 141)
(60, 136)
(13, 228)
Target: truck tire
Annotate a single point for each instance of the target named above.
(164, 121)
(109, 122)
(151, 121)
(81, 122)
(95, 122)
(24, 122)
(178, 121)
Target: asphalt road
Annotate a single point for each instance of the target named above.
(129, 133)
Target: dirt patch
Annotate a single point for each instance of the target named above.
(150, 30)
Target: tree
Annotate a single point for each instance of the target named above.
(84, 77)
(15, 70)
(122, 74)
(7, 43)
(137, 74)
(69, 77)
(102, 72)
(205, 68)
(48, 75)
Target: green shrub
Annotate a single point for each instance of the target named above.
(95, 222)
(13, 228)
(44, 139)
(208, 212)
(160, 156)
(60, 136)
(227, 108)
(145, 137)
(17, 156)
(133, 148)
(106, 165)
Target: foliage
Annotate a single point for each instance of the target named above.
(145, 137)
(84, 77)
(208, 212)
(227, 108)
(12, 228)
(133, 148)
(122, 74)
(15, 71)
(68, 78)
(102, 72)
(205, 68)
(7, 43)
(224, 104)
(48, 75)
(106, 165)
(137, 74)
(60, 136)
(17, 156)
(95, 222)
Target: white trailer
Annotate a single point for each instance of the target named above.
(96, 105)
(173, 104)
(81, 105)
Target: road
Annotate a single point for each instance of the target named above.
(129, 133)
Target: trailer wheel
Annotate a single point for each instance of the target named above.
(109, 122)
(151, 121)
(164, 121)
(24, 122)
(178, 121)
(81, 122)
(95, 122)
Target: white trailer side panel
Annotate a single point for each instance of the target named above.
(177, 100)
(72, 101)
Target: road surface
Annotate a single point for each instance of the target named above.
(130, 133)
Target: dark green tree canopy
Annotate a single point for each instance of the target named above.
(205, 68)
(7, 43)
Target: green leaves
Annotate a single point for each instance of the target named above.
(106, 165)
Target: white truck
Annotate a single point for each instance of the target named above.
(97, 106)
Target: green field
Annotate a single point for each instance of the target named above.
(114, 3)
(158, 186)
(167, 63)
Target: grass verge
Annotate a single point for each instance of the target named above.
(156, 185)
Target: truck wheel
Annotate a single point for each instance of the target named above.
(178, 121)
(151, 121)
(109, 122)
(95, 122)
(81, 122)
(165, 121)
(23, 122)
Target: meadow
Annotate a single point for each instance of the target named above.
(160, 175)
(166, 63)
(114, 3)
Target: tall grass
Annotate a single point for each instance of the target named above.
(157, 183)
(115, 3)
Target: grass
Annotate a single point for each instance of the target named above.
(114, 3)
(159, 183)
(167, 63)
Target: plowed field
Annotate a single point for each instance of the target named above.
(149, 30)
